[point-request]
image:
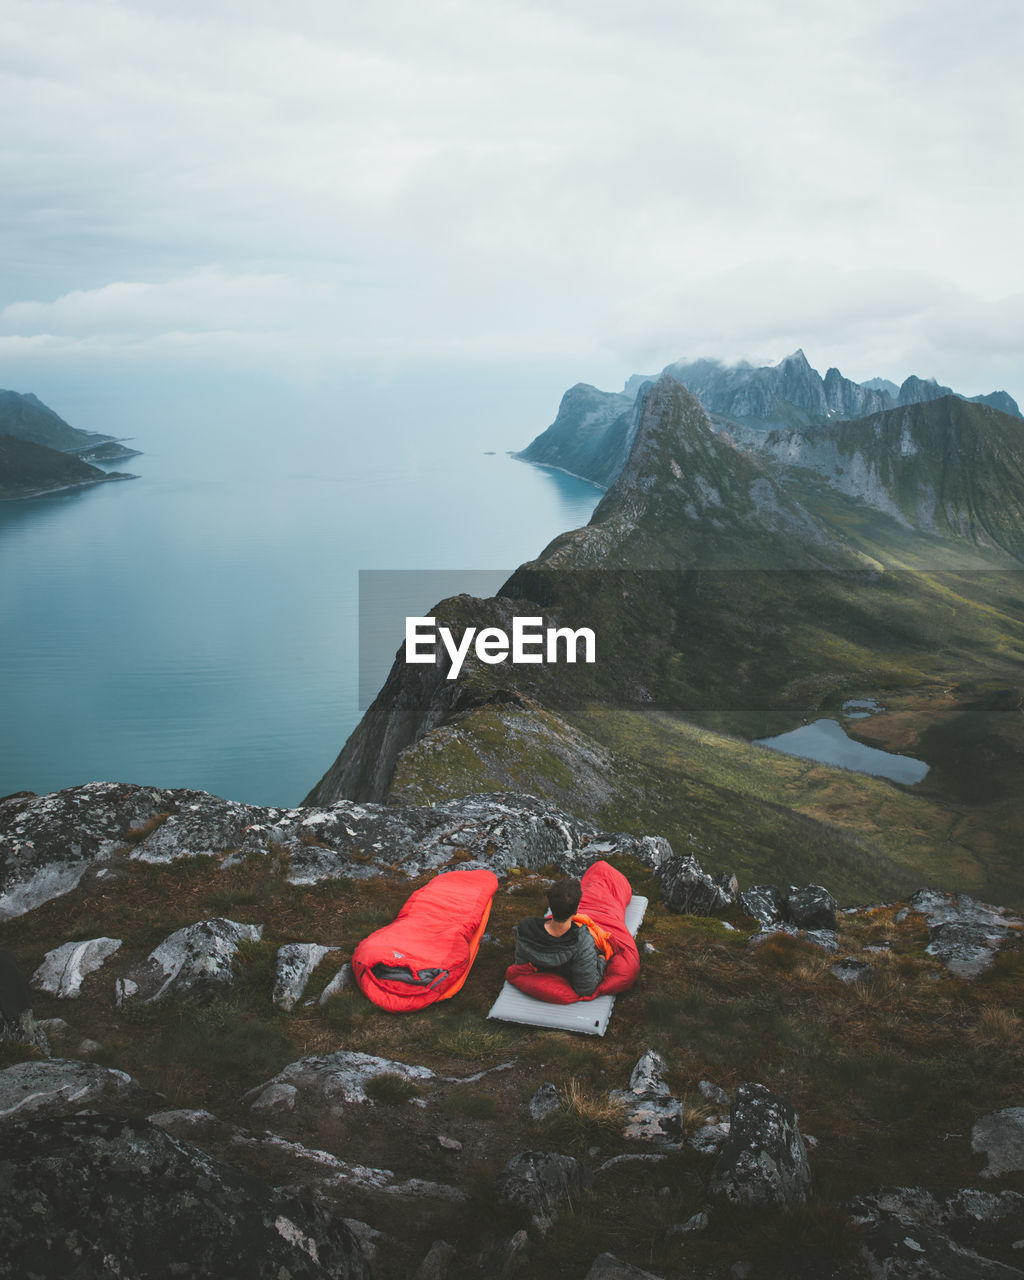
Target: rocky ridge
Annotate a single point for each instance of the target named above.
(307, 1147)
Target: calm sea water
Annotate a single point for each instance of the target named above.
(198, 626)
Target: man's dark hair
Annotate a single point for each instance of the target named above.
(564, 899)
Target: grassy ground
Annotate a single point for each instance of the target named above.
(887, 1075)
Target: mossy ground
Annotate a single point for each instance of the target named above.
(888, 1075)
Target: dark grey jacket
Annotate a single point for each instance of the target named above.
(574, 955)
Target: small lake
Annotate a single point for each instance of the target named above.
(826, 741)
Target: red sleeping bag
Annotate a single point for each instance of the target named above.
(606, 894)
(427, 951)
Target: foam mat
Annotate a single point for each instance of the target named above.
(587, 1016)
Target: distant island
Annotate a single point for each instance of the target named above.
(40, 453)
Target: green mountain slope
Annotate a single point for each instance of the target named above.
(28, 470)
(732, 594)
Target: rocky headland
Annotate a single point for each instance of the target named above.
(40, 453)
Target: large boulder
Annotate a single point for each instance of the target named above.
(60, 1085)
(964, 934)
(811, 907)
(330, 1081)
(537, 1183)
(910, 1233)
(764, 1160)
(197, 961)
(93, 1196)
(65, 968)
(688, 889)
(766, 903)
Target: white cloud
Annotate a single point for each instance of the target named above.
(500, 174)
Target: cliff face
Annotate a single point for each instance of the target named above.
(590, 436)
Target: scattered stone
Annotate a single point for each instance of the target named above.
(713, 1093)
(293, 967)
(849, 970)
(194, 961)
(964, 934)
(92, 1195)
(1000, 1137)
(55, 1029)
(332, 1080)
(709, 1138)
(437, 1263)
(546, 1101)
(650, 949)
(60, 1085)
(124, 989)
(448, 1144)
(764, 1160)
(652, 1113)
(699, 1222)
(86, 1048)
(687, 888)
(63, 969)
(538, 1182)
(607, 1267)
(811, 907)
(339, 983)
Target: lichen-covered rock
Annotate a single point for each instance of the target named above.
(538, 1183)
(332, 1080)
(964, 934)
(688, 889)
(293, 967)
(811, 907)
(60, 1085)
(1000, 1137)
(64, 969)
(196, 961)
(48, 843)
(909, 1233)
(766, 903)
(652, 1113)
(764, 1160)
(93, 1196)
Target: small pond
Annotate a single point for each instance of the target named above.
(826, 741)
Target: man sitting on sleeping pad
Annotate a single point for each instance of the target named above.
(565, 942)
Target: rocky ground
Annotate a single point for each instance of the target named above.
(789, 1090)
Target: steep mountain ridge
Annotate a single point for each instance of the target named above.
(591, 433)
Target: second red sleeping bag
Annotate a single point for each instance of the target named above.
(427, 951)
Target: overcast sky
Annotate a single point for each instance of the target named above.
(606, 184)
